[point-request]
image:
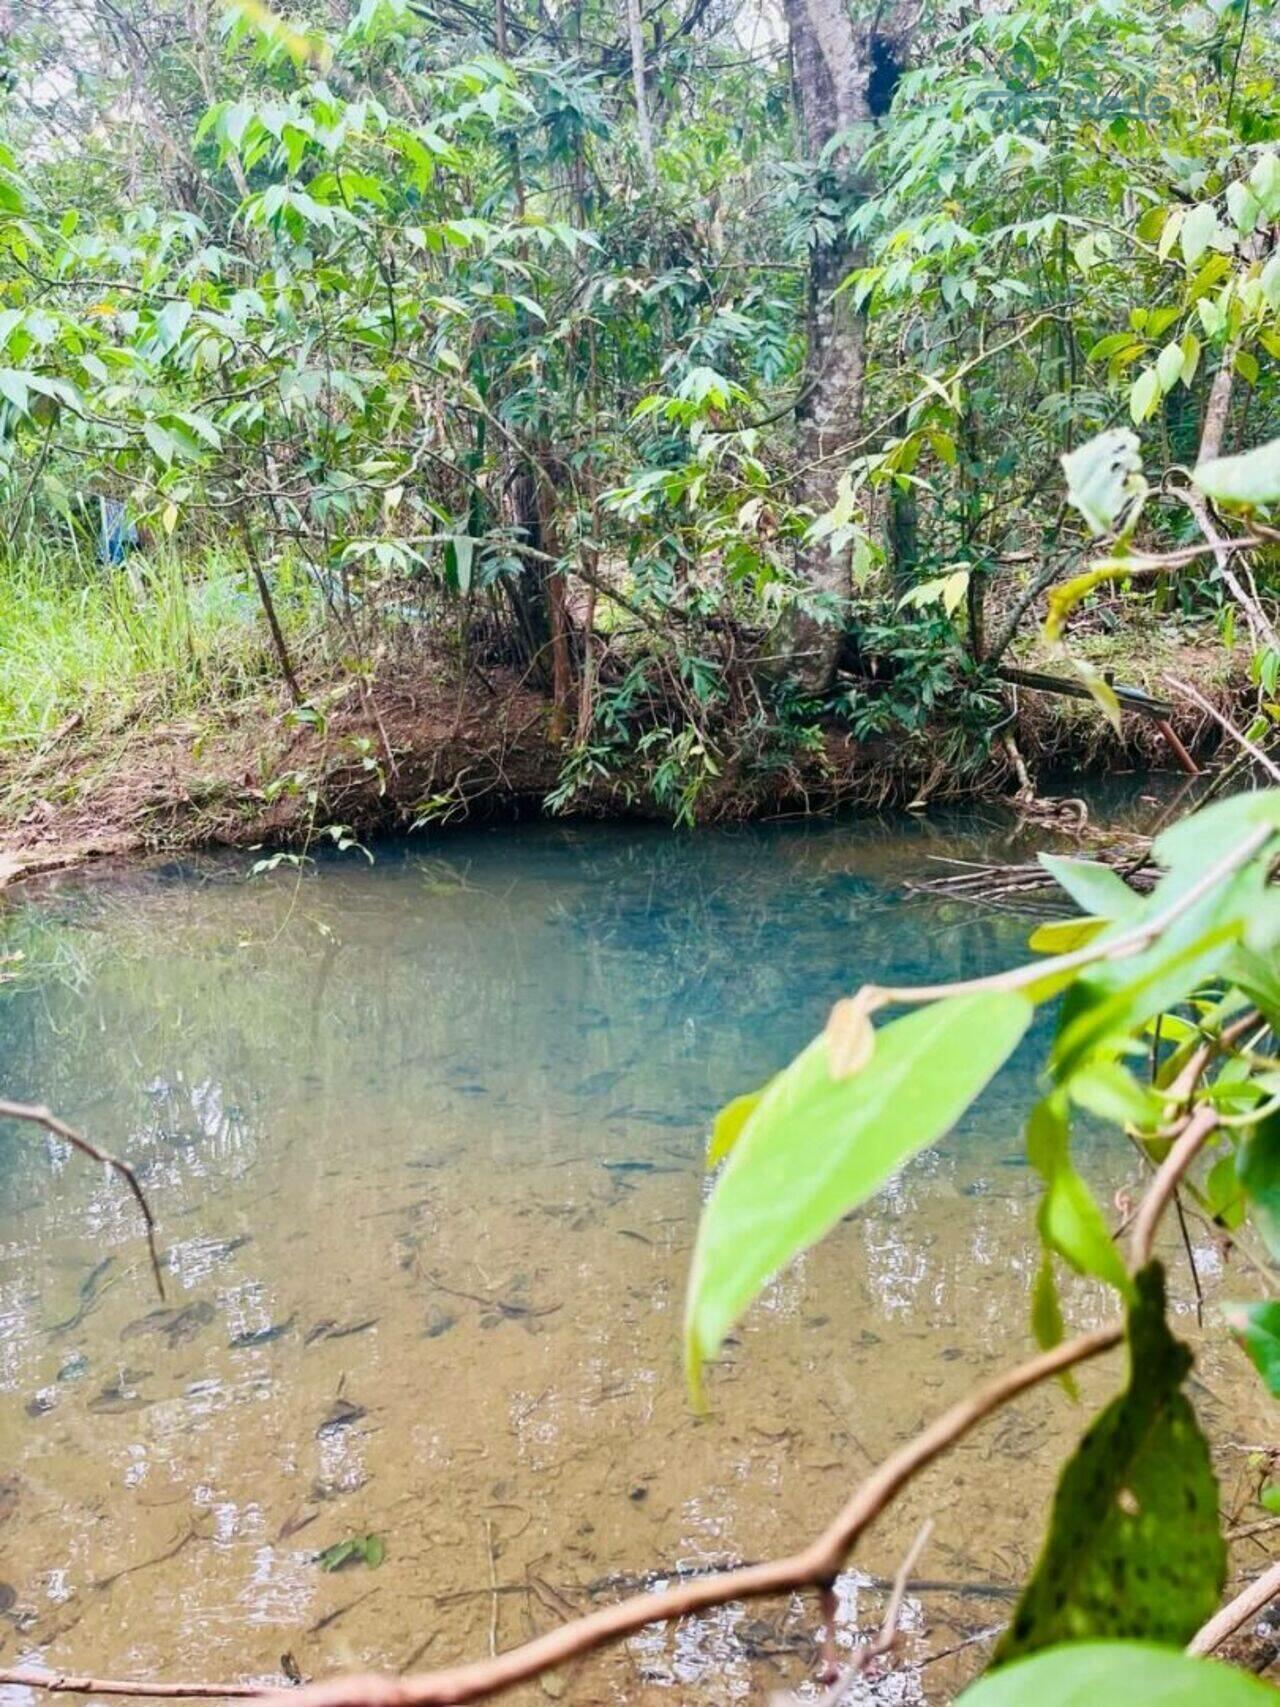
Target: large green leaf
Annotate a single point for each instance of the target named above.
(1257, 1327)
(1069, 1221)
(1117, 1674)
(1134, 1548)
(1252, 478)
(1094, 888)
(815, 1146)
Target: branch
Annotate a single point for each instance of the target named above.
(1224, 723)
(1247, 1604)
(814, 1566)
(51, 1123)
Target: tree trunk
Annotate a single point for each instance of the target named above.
(644, 132)
(844, 75)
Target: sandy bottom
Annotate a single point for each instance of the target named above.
(428, 1199)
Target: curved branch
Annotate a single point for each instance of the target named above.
(39, 1116)
(814, 1566)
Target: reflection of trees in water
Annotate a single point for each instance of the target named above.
(588, 974)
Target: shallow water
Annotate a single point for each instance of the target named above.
(424, 1139)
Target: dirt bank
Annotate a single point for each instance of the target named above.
(417, 746)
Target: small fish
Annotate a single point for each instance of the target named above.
(295, 1523)
(91, 1290)
(438, 1322)
(328, 1329)
(341, 1415)
(262, 1336)
(8, 1595)
(178, 1325)
(596, 1084)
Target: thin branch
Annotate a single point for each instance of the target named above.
(1225, 723)
(813, 1566)
(44, 1117)
(1246, 1605)
(1185, 1150)
(887, 1635)
(69, 1683)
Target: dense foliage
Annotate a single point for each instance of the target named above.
(622, 353)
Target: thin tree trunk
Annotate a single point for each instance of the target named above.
(269, 611)
(643, 129)
(832, 59)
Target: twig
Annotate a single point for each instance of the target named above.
(1225, 723)
(1247, 1604)
(1185, 1150)
(70, 1683)
(887, 1635)
(814, 1565)
(44, 1117)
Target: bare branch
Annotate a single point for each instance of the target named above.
(1242, 740)
(44, 1117)
(1246, 1605)
(814, 1566)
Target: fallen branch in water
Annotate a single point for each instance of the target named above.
(39, 1116)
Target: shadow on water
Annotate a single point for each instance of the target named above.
(425, 1141)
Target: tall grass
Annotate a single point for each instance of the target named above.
(162, 636)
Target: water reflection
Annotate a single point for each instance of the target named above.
(425, 1142)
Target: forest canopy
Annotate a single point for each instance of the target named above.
(709, 367)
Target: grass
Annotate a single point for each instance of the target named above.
(162, 636)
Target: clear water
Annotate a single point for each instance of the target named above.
(424, 1138)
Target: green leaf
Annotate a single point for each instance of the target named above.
(1062, 936)
(370, 1549)
(1134, 1548)
(1144, 395)
(1095, 888)
(1257, 1327)
(1068, 1220)
(1169, 366)
(1104, 476)
(1046, 1316)
(13, 387)
(815, 1147)
(726, 1129)
(1258, 1168)
(1198, 231)
(1252, 478)
(1117, 1674)
(1111, 1092)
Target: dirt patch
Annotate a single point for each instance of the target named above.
(420, 747)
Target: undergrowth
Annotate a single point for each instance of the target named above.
(157, 639)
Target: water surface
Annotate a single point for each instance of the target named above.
(424, 1138)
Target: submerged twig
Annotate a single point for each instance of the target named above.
(40, 1116)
